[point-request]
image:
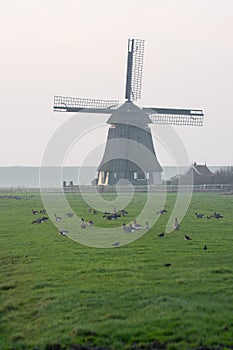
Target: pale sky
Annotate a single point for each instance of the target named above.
(79, 48)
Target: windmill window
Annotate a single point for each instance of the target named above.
(147, 176)
(141, 176)
(135, 175)
(114, 175)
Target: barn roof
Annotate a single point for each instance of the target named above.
(202, 170)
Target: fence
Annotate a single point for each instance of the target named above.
(152, 188)
(221, 188)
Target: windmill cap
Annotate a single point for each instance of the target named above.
(129, 113)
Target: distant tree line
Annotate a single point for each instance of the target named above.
(224, 176)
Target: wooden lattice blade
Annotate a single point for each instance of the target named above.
(73, 104)
(175, 116)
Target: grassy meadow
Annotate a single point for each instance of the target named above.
(58, 294)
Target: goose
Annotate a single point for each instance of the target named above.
(69, 215)
(35, 212)
(205, 247)
(83, 224)
(176, 225)
(161, 234)
(111, 216)
(217, 216)
(43, 211)
(44, 219)
(199, 216)
(136, 225)
(146, 227)
(63, 232)
(40, 220)
(57, 218)
(127, 229)
(37, 221)
(131, 228)
(162, 211)
(187, 238)
(117, 244)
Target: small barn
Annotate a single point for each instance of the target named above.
(197, 174)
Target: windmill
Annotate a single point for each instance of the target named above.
(129, 152)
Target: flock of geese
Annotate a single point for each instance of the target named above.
(39, 220)
(176, 224)
(133, 227)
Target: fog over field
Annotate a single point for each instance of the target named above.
(30, 176)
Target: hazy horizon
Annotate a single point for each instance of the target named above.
(17, 176)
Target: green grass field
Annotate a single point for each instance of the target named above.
(56, 294)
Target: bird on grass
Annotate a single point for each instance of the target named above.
(40, 220)
(205, 247)
(43, 211)
(116, 244)
(63, 232)
(35, 212)
(162, 211)
(136, 226)
(187, 238)
(69, 215)
(146, 227)
(176, 225)
(127, 229)
(83, 224)
(199, 216)
(167, 264)
(44, 218)
(57, 218)
(217, 216)
(161, 234)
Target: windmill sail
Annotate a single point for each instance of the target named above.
(74, 104)
(175, 116)
(134, 69)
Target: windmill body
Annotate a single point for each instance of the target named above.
(129, 152)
